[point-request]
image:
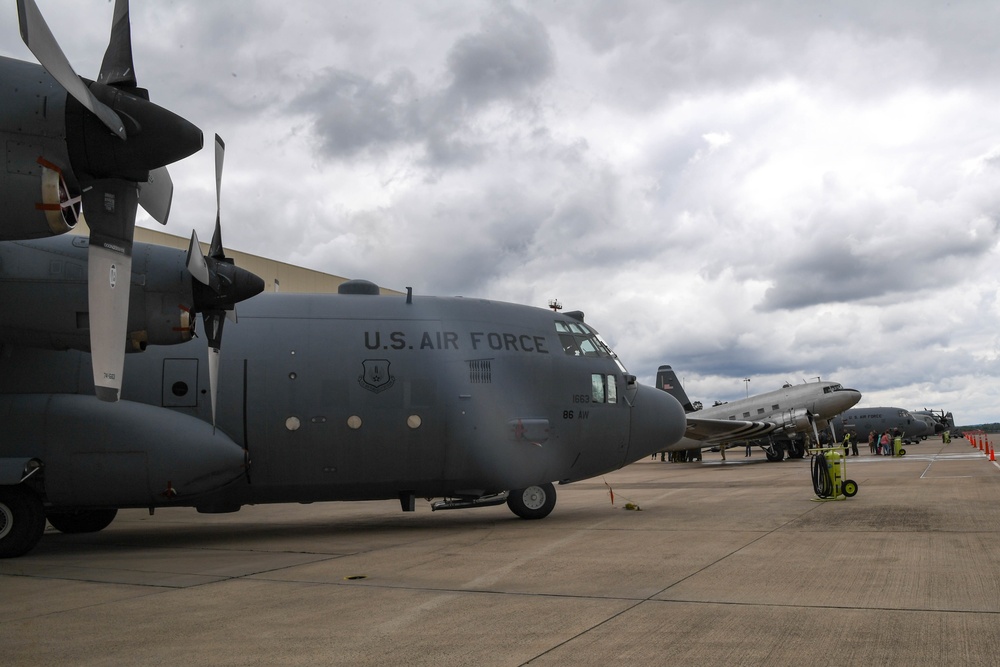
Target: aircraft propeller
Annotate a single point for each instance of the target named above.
(218, 283)
(119, 144)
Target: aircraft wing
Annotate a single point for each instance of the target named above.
(714, 431)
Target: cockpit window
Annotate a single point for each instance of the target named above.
(579, 340)
(604, 388)
(597, 393)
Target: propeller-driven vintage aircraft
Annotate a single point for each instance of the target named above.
(344, 396)
(777, 420)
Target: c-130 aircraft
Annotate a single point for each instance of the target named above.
(349, 396)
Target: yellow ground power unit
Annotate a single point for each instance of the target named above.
(829, 471)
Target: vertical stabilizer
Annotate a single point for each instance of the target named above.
(667, 380)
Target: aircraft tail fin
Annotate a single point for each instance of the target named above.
(667, 380)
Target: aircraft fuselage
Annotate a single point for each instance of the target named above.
(337, 397)
(821, 400)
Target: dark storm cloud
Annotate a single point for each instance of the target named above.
(352, 113)
(509, 56)
(499, 64)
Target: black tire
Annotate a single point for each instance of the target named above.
(775, 453)
(902, 452)
(850, 488)
(533, 502)
(22, 520)
(80, 521)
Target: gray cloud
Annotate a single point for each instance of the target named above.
(505, 60)
(770, 190)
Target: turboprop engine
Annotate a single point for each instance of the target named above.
(43, 286)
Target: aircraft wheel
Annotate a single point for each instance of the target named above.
(22, 520)
(81, 521)
(850, 488)
(775, 453)
(533, 502)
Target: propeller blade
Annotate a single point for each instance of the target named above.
(213, 378)
(117, 69)
(109, 275)
(111, 206)
(156, 194)
(196, 263)
(214, 320)
(40, 41)
(215, 250)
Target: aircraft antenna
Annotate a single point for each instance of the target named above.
(555, 305)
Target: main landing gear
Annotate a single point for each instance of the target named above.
(533, 502)
(22, 520)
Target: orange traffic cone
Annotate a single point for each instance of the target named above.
(993, 456)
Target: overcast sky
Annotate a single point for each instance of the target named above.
(766, 190)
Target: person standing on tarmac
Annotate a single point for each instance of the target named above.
(872, 439)
(854, 446)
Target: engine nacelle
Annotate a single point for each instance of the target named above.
(53, 145)
(798, 419)
(43, 286)
(37, 185)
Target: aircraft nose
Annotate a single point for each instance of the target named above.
(658, 421)
(849, 398)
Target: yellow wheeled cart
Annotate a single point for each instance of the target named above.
(829, 472)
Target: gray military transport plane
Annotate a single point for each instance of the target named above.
(349, 396)
(862, 421)
(779, 421)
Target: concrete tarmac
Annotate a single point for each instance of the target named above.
(731, 563)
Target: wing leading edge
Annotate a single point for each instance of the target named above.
(714, 431)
